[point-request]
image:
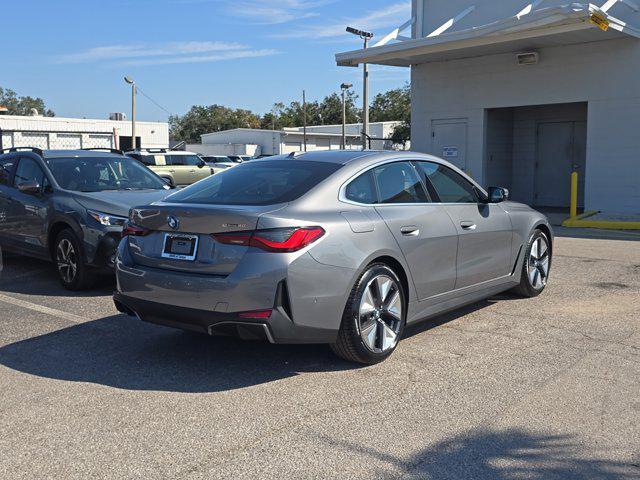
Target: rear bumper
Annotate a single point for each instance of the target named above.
(307, 298)
(278, 328)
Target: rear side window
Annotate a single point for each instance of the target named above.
(362, 189)
(257, 183)
(190, 160)
(6, 170)
(450, 186)
(399, 183)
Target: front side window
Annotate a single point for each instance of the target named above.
(362, 189)
(257, 183)
(86, 174)
(450, 186)
(6, 170)
(28, 171)
(399, 183)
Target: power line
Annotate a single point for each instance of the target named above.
(153, 101)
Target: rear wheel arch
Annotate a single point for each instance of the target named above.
(399, 270)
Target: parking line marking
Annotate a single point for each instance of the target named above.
(42, 309)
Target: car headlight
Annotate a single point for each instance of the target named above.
(107, 219)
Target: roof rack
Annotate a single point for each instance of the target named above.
(23, 149)
(103, 149)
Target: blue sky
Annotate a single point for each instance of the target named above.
(239, 53)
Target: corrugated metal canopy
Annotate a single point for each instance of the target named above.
(542, 28)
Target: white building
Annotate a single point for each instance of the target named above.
(76, 133)
(287, 140)
(572, 102)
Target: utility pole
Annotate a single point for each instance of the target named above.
(133, 111)
(304, 115)
(344, 87)
(366, 36)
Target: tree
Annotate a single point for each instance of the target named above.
(22, 105)
(213, 118)
(394, 105)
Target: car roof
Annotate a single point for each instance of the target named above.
(340, 157)
(66, 153)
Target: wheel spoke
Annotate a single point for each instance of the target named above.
(388, 337)
(544, 266)
(367, 305)
(542, 249)
(384, 287)
(532, 275)
(394, 307)
(369, 334)
(534, 249)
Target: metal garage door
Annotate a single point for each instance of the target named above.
(67, 141)
(449, 141)
(292, 147)
(31, 139)
(99, 141)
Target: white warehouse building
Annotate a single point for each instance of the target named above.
(77, 133)
(520, 93)
(287, 140)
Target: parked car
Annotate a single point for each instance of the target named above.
(218, 163)
(178, 168)
(240, 158)
(341, 247)
(69, 206)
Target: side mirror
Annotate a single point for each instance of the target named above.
(32, 187)
(202, 164)
(498, 194)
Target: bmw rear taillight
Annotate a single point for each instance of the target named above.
(278, 240)
(134, 230)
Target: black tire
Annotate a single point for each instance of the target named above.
(350, 344)
(79, 278)
(526, 287)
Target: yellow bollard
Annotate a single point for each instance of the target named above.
(574, 195)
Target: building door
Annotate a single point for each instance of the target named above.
(449, 141)
(561, 149)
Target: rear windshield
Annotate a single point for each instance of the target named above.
(257, 183)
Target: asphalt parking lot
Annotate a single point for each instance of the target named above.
(507, 388)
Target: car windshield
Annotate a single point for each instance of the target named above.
(97, 174)
(257, 183)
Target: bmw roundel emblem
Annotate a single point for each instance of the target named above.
(173, 222)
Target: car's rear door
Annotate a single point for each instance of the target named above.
(423, 230)
(484, 229)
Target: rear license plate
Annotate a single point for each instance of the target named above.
(180, 247)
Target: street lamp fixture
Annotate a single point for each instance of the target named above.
(132, 82)
(344, 87)
(366, 36)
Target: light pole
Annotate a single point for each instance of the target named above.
(366, 36)
(344, 87)
(132, 82)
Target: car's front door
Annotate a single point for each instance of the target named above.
(7, 168)
(484, 229)
(422, 229)
(29, 211)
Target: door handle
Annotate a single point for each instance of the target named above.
(468, 225)
(411, 231)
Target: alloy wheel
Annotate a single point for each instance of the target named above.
(66, 260)
(538, 266)
(380, 314)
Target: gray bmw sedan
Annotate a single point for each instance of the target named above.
(344, 248)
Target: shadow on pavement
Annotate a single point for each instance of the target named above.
(31, 276)
(491, 454)
(123, 352)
